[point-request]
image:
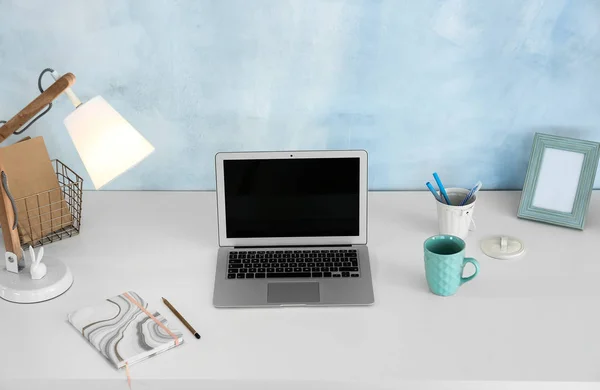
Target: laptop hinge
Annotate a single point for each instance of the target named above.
(295, 246)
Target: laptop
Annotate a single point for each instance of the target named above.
(292, 229)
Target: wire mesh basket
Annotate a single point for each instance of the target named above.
(53, 215)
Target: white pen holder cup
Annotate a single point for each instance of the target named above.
(453, 219)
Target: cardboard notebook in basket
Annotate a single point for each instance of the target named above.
(33, 183)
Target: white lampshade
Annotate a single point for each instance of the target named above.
(107, 144)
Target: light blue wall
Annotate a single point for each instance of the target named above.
(457, 86)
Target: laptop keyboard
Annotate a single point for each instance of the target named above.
(318, 263)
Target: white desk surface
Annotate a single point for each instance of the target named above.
(524, 321)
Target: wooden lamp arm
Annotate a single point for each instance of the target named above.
(45, 98)
(8, 220)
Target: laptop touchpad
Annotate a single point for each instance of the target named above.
(293, 292)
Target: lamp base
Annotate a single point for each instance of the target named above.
(20, 288)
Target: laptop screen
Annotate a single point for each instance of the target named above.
(303, 197)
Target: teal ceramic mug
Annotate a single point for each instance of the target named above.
(444, 264)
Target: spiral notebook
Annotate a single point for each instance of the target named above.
(125, 330)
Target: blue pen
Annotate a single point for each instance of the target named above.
(441, 187)
(473, 191)
(434, 192)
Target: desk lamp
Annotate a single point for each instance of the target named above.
(107, 145)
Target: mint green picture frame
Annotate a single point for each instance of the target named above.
(576, 218)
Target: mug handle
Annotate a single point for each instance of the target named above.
(471, 260)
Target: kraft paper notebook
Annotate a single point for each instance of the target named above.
(35, 187)
(125, 330)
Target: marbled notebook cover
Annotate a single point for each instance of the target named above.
(122, 332)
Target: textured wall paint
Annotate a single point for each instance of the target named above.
(457, 86)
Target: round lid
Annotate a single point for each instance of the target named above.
(502, 247)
